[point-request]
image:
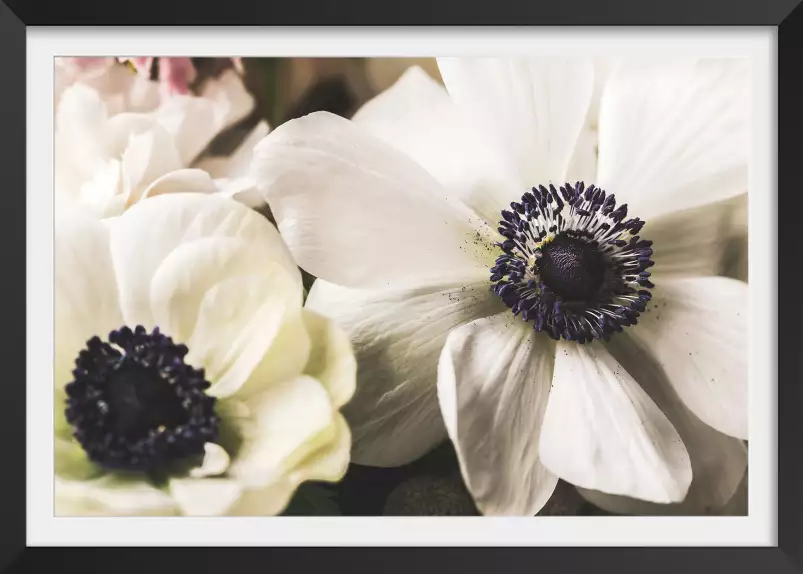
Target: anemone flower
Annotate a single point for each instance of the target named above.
(189, 379)
(535, 320)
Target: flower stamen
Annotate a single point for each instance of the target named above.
(134, 404)
(572, 264)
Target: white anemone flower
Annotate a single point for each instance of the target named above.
(189, 379)
(521, 321)
(111, 146)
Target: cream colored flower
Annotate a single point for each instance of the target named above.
(188, 377)
(448, 244)
(113, 141)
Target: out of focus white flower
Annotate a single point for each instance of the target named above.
(180, 292)
(115, 136)
(117, 85)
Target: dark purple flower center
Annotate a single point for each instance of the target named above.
(572, 263)
(134, 404)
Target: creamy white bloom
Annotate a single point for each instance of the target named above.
(115, 138)
(214, 276)
(397, 214)
(118, 86)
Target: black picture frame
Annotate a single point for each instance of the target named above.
(786, 15)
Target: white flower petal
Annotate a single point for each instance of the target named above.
(583, 166)
(186, 275)
(718, 461)
(181, 181)
(602, 431)
(80, 139)
(286, 423)
(676, 135)
(204, 496)
(397, 337)
(532, 109)
(215, 462)
(259, 318)
(176, 219)
(289, 348)
(194, 121)
(696, 328)
(331, 461)
(86, 299)
(148, 156)
(331, 358)
(328, 463)
(105, 194)
(359, 213)
(191, 123)
(417, 116)
(242, 189)
(111, 495)
(81, 111)
(494, 376)
(695, 242)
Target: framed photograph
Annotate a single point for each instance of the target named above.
(306, 275)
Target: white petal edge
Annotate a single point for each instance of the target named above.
(418, 117)
(215, 462)
(249, 333)
(225, 496)
(533, 109)
(675, 134)
(329, 463)
(287, 422)
(111, 495)
(696, 328)
(397, 336)
(718, 461)
(204, 496)
(583, 165)
(494, 376)
(357, 212)
(331, 358)
(181, 180)
(602, 431)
